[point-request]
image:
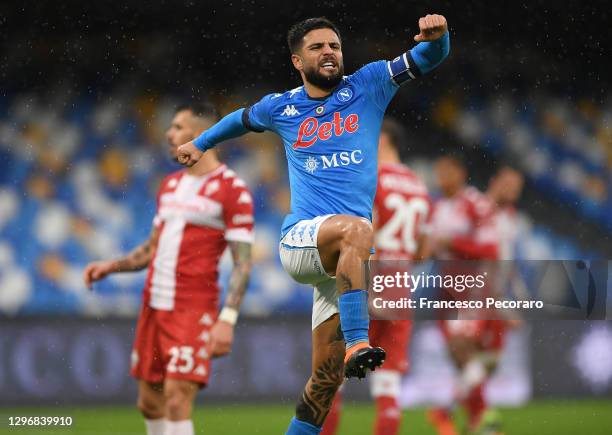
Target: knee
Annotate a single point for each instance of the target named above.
(359, 232)
(178, 400)
(150, 407)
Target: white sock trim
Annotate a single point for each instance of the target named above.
(473, 374)
(385, 383)
(183, 427)
(156, 426)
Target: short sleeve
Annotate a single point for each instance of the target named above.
(258, 117)
(376, 78)
(238, 212)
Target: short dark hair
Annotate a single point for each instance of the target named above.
(507, 163)
(456, 156)
(395, 131)
(295, 35)
(201, 109)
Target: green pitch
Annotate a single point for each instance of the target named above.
(541, 418)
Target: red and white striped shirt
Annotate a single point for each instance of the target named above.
(196, 217)
(467, 222)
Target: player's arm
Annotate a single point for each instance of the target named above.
(222, 333)
(255, 118)
(138, 259)
(432, 48)
(230, 126)
(239, 279)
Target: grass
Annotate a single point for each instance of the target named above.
(586, 417)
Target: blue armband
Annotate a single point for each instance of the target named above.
(428, 55)
(228, 127)
(424, 57)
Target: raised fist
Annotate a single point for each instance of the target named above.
(431, 27)
(187, 154)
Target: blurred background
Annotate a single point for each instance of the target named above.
(87, 92)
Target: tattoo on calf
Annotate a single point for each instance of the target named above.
(320, 391)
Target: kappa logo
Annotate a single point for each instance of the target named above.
(211, 188)
(245, 198)
(290, 110)
(200, 370)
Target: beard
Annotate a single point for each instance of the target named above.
(325, 82)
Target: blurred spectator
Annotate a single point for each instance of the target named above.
(77, 185)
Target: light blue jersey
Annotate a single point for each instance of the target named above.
(331, 143)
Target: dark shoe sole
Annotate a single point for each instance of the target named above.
(365, 359)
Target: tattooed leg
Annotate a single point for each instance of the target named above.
(327, 372)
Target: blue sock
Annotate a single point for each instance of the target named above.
(299, 427)
(354, 318)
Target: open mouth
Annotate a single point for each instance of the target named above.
(329, 66)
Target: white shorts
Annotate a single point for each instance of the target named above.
(300, 258)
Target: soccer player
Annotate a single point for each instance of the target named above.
(466, 225)
(504, 190)
(200, 211)
(402, 209)
(330, 128)
(462, 221)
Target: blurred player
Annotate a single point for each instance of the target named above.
(401, 209)
(504, 190)
(466, 227)
(462, 230)
(200, 211)
(330, 128)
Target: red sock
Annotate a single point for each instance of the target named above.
(442, 421)
(475, 405)
(333, 418)
(388, 416)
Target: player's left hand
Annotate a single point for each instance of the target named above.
(221, 338)
(431, 27)
(188, 154)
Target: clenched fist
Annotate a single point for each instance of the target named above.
(97, 270)
(221, 338)
(431, 27)
(187, 154)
